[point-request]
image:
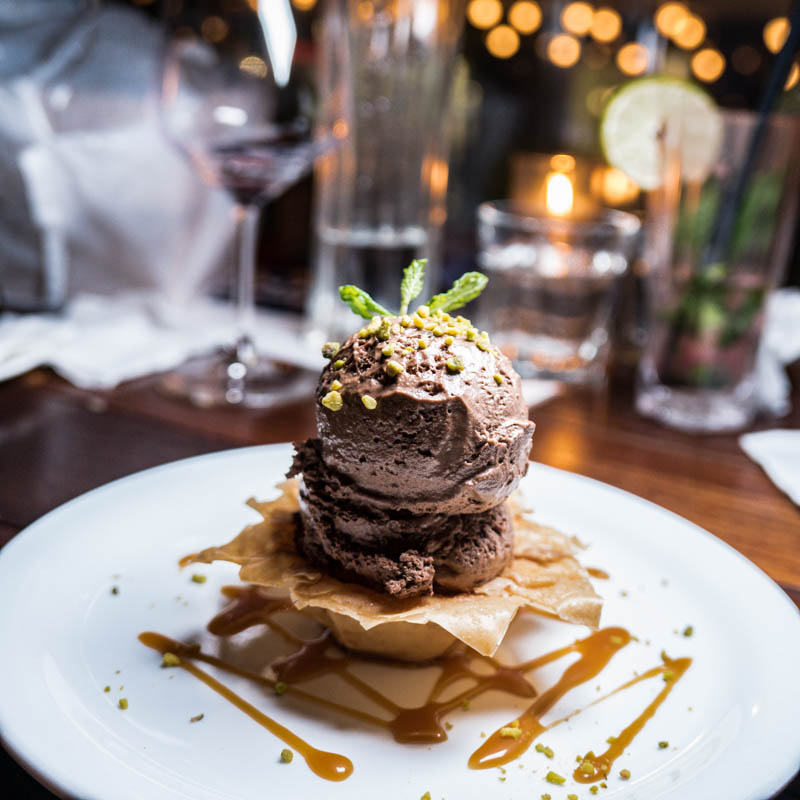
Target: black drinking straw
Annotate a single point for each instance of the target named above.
(719, 241)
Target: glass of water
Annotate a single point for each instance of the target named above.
(552, 287)
(380, 196)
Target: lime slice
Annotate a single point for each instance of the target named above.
(642, 115)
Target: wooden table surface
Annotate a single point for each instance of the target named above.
(57, 442)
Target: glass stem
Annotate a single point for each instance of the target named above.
(247, 215)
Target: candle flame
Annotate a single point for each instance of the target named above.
(559, 194)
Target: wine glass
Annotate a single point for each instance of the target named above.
(237, 99)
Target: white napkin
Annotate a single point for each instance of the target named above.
(97, 342)
(780, 345)
(778, 453)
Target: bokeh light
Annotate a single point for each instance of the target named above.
(502, 41)
(562, 162)
(776, 32)
(606, 25)
(253, 65)
(564, 50)
(304, 5)
(525, 16)
(689, 32)
(708, 64)
(794, 76)
(613, 186)
(213, 29)
(633, 58)
(577, 18)
(668, 15)
(484, 14)
(745, 59)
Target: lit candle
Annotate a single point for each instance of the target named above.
(559, 194)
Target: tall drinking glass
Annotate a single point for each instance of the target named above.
(237, 98)
(380, 198)
(697, 372)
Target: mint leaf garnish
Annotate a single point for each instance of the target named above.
(411, 286)
(361, 303)
(466, 288)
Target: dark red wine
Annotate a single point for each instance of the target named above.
(260, 169)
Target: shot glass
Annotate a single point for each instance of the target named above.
(552, 286)
(697, 372)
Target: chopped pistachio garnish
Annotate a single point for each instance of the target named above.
(333, 401)
(453, 331)
(465, 705)
(419, 322)
(437, 331)
(426, 796)
(586, 768)
(374, 325)
(330, 349)
(572, 797)
(196, 718)
(336, 385)
(422, 344)
(388, 350)
(688, 630)
(338, 364)
(286, 755)
(539, 747)
(448, 725)
(115, 590)
(408, 349)
(198, 578)
(123, 703)
(663, 745)
(363, 333)
(510, 733)
(548, 752)
(405, 320)
(423, 311)
(472, 334)
(107, 689)
(668, 676)
(369, 402)
(611, 739)
(454, 364)
(385, 330)
(483, 343)
(170, 660)
(545, 796)
(664, 656)
(554, 777)
(394, 368)
(280, 688)
(429, 326)
(498, 378)
(624, 774)
(448, 340)
(593, 789)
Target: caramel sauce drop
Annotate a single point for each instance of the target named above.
(596, 572)
(310, 658)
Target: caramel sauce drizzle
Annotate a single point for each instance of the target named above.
(310, 658)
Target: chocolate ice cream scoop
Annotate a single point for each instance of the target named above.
(423, 434)
(449, 433)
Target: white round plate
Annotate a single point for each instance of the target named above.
(731, 722)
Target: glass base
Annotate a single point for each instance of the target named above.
(697, 410)
(223, 379)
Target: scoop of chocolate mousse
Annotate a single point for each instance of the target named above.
(423, 434)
